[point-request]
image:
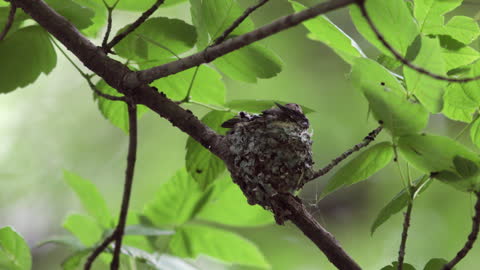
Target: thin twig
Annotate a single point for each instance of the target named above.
(472, 237)
(238, 21)
(127, 191)
(109, 22)
(403, 243)
(108, 46)
(399, 56)
(10, 19)
(100, 248)
(366, 141)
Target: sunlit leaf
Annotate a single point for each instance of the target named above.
(25, 55)
(429, 14)
(14, 251)
(461, 28)
(202, 165)
(457, 105)
(141, 6)
(85, 228)
(361, 167)
(194, 240)
(323, 30)
(387, 98)
(90, 197)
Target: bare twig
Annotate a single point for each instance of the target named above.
(399, 56)
(232, 44)
(325, 241)
(109, 22)
(238, 21)
(403, 243)
(100, 248)
(10, 19)
(472, 237)
(108, 46)
(366, 141)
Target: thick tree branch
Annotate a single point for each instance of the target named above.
(399, 57)
(230, 45)
(325, 241)
(366, 141)
(472, 237)
(108, 46)
(10, 19)
(238, 21)
(403, 243)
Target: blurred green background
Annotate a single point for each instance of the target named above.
(55, 125)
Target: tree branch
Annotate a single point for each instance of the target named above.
(399, 57)
(366, 141)
(109, 22)
(238, 21)
(472, 237)
(10, 19)
(403, 243)
(133, 26)
(230, 45)
(325, 241)
(100, 248)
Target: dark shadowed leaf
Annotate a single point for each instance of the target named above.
(394, 266)
(98, 20)
(14, 251)
(79, 15)
(436, 264)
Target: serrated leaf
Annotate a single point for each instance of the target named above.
(78, 15)
(257, 105)
(85, 228)
(447, 160)
(194, 240)
(183, 197)
(427, 89)
(91, 199)
(202, 165)
(387, 98)
(461, 28)
(208, 86)
(115, 111)
(156, 39)
(429, 14)
(228, 206)
(250, 63)
(457, 105)
(14, 251)
(73, 261)
(392, 19)
(99, 18)
(399, 202)
(394, 266)
(28, 47)
(361, 167)
(323, 30)
(436, 264)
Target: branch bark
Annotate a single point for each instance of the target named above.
(10, 19)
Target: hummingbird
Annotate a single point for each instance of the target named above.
(290, 112)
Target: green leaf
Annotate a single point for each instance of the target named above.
(65, 240)
(361, 167)
(78, 15)
(459, 57)
(14, 251)
(74, 260)
(20, 17)
(85, 228)
(447, 160)
(98, 20)
(475, 132)
(387, 98)
(141, 6)
(183, 197)
(471, 88)
(202, 165)
(388, 62)
(392, 18)
(228, 206)
(195, 240)
(207, 87)
(461, 28)
(427, 89)
(91, 198)
(18, 50)
(145, 230)
(394, 266)
(436, 264)
(257, 106)
(157, 39)
(457, 105)
(158, 261)
(115, 111)
(250, 63)
(429, 14)
(399, 202)
(323, 30)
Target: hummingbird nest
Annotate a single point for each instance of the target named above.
(271, 153)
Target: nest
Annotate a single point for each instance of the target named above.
(270, 154)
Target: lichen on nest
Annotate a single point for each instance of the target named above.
(270, 153)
